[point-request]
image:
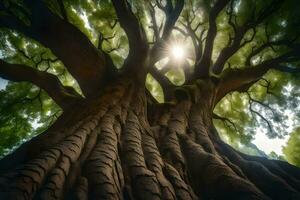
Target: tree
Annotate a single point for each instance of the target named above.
(292, 148)
(115, 139)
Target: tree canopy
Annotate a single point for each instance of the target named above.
(251, 47)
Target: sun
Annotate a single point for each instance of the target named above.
(177, 52)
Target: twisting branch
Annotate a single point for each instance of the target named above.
(172, 13)
(242, 79)
(191, 32)
(227, 122)
(154, 26)
(228, 51)
(167, 86)
(260, 103)
(270, 44)
(84, 62)
(202, 67)
(108, 59)
(41, 59)
(101, 39)
(240, 31)
(136, 35)
(250, 101)
(268, 87)
(64, 96)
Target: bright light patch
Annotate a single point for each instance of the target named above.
(85, 18)
(268, 145)
(177, 52)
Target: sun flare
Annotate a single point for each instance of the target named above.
(177, 52)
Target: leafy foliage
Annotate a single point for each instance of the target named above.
(269, 106)
(292, 148)
(25, 111)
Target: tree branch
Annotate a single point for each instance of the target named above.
(229, 51)
(154, 22)
(240, 32)
(84, 62)
(167, 86)
(172, 13)
(242, 79)
(196, 40)
(227, 122)
(136, 35)
(254, 112)
(64, 96)
(202, 68)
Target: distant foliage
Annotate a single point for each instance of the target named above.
(292, 148)
(25, 111)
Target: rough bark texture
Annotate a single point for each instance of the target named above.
(123, 147)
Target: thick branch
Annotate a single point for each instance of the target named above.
(266, 45)
(62, 95)
(172, 15)
(229, 51)
(167, 86)
(242, 79)
(240, 32)
(71, 46)
(202, 68)
(138, 46)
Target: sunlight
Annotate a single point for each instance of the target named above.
(177, 52)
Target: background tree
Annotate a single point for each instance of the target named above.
(130, 89)
(292, 148)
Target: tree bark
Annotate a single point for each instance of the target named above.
(123, 147)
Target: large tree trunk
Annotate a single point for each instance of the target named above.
(121, 146)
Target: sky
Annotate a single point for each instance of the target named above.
(3, 83)
(268, 145)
